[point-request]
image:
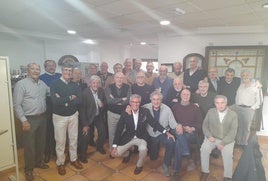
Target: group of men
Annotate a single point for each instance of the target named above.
(137, 108)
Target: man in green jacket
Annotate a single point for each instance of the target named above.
(219, 127)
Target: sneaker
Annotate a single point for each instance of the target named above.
(191, 165)
(165, 170)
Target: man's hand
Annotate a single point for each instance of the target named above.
(73, 97)
(170, 136)
(26, 126)
(179, 129)
(128, 110)
(220, 147)
(85, 130)
(188, 129)
(211, 139)
(114, 152)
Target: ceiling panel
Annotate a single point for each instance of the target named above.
(127, 18)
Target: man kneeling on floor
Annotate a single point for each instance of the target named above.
(131, 131)
(219, 127)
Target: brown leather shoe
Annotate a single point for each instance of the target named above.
(204, 176)
(77, 164)
(61, 169)
(138, 170)
(29, 176)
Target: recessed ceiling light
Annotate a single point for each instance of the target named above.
(164, 22)
(143, 43)
(89, 41)
(265, 5)
(72, 32)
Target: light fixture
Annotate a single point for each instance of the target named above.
(179, 11)
(71, 32)
(164, 22)
(143, 43)
(89, 41)
(265, 5)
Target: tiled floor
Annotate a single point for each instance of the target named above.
(101, 167)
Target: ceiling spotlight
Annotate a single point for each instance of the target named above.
(89, 41)
(265, 5)
(71, 32)
(164, 22)
(143, 43)
(179, 11)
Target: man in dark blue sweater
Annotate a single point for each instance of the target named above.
(66, 97)
(48, 77)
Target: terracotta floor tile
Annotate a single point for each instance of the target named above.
(101, 167)
(76, 178)
(97, 172)
(118, 177)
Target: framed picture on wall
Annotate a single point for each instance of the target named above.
(202, 64)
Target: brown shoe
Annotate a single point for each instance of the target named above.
(204, 176)
(61, 169)
(29, 176)
(77, 164)
(137, 170)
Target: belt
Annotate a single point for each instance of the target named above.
(40, 114)
(244, 106)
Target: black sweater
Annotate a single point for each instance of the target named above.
(63, 105)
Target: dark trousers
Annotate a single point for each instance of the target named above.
(34, 141)
(154, 147)
(50, 140)
(84, 139)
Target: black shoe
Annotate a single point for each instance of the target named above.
(138, 170)
(42, 166)
(127, 158)
(47, 158)
(84, 160)
(101, 150)
(29, 176)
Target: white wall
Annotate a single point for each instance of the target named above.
(22, 51)
(176, 48)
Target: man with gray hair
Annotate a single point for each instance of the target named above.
(176, 73)
(66, 98)
(163, 82)
(164, 116)
(30, 106)
(117, 95)
(219, 127)
(131, 131)
(92, 111)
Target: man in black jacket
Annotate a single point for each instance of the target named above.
(131, 131)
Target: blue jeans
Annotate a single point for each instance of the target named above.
(154, 147)
(182, 148)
